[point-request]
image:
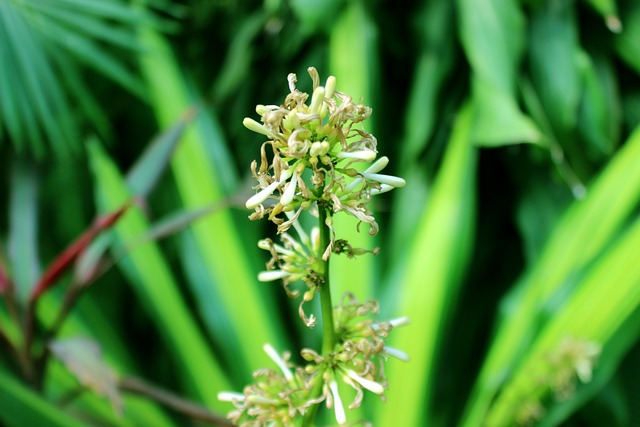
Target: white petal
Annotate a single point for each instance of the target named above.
(372, 386)
(273, 354)
(230, 396)
(290, 191)
(341, 417)
(270, 276)
(400, 321)
(398, 354)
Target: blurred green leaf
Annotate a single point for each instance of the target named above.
(492, 35)
(157, 289)
(626, 43)
(553, 58)
(609, 11)
(428, 284)
(22, 407)
(200, 180)
(580, 237)
(593, 313)
(23, 229)
(597, 118)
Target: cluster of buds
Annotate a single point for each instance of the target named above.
(310, 156)
(280, 397)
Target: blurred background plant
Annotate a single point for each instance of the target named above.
(513, 248)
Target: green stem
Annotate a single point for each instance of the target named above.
(328, 326)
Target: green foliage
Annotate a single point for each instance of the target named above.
(512, 248)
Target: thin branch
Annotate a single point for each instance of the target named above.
(179, 404)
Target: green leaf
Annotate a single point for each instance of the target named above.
(23, 229)
(427, 283)
(598, 120)
(609, 11)
(580, 237)
(553, 57)
(594, 313)
(492, 35)
(626, 43)
(499, 121)
(22, 407)
(158, 291)
(433, 65)
(201, 181)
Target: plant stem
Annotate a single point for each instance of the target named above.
(328, 327)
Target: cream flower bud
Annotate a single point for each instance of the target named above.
(319, 148)
(271, 275)
(364, 155)
(262, 195)
(290, 190)
(393, 181)
(256, 127)
(330, 87)
(383, 189)
(316, 100)
(378, 165)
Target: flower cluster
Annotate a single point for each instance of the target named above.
(310, 157)
(278, 398)
(571, 361)
(317, 158)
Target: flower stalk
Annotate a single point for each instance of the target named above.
(328, 326)
(309, 166)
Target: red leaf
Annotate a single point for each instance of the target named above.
(5, 284)
(68, 257)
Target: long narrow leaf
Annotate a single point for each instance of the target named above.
(22, 407)
(158, 290)
(231, 281)
(580, 236)
(430, 279)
